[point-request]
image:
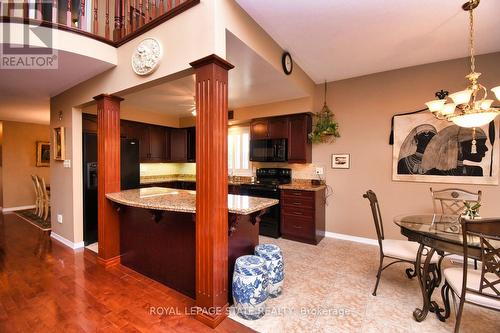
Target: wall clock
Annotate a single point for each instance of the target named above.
(146, 56)
(286, 62)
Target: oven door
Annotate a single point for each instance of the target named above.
(261, 150)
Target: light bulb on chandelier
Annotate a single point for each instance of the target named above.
(470, 107)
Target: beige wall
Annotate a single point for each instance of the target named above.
(19, 162)
(364, 107)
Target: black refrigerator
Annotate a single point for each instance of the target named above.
(130, 179)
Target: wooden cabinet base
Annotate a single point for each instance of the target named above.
(303, 215)
(161, 245)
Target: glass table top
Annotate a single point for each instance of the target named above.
(441, 227)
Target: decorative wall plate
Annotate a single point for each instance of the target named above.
(146, 56)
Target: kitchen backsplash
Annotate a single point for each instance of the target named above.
(299, 171)
(161, 169)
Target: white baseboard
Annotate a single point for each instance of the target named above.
(12, 209)
(356, 239)
(67, 242)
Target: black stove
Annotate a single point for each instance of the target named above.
(267, 185)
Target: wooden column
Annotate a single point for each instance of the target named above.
(211, 189)
(108, 181)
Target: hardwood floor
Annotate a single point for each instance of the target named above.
(67, 291)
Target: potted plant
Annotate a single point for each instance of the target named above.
(326, 129)
(471, 210)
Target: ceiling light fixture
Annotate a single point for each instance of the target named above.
(469, 107)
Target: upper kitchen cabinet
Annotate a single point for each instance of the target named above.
(157, 143)
(278, 128)
(191, 144)
(152, 143)
(178, 144)
(138, 131)
(299, 145)
(295, 128)
(269, 128)
(259, 129)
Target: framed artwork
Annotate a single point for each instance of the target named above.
(42, 154)
(430, 150)
(341, 161)
(59, 144)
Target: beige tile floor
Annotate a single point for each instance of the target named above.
(328, 289)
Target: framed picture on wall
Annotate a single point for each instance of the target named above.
(59, 144)
(42, 154)
(341, 161)
(430, 150)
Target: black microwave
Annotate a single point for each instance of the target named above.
(268, 150)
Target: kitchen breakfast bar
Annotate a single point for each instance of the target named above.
(158, 232)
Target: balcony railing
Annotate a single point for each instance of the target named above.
(112, 21)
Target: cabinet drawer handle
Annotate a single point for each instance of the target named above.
(297, 193)
(297, 226)
(298, 213)
(297, 203)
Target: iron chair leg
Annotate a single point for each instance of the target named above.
(379, 273)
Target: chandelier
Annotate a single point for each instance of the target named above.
(469, 107)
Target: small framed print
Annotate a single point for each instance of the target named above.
(59, 144)
(42, 154)
(341, 161)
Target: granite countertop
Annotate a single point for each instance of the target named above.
(302, 185)
(184, 201)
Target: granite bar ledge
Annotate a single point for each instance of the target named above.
(184, 201)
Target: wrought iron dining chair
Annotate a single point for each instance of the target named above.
(480, 288)
(451, 201)
(399, 250)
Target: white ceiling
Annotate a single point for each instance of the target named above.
(338, 39)
(25, 94)
(175, 98)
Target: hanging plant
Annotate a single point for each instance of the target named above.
(326, 129)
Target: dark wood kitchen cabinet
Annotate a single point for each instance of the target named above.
(152, 143)
(299, 145)
(138, 131)
(278, 128)
(157, 143)
(303, 215)
(269, 128)
(191, 144)
(295, 128)
(183, 144)
(259, 129)
(178, 145)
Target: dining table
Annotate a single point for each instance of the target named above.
(441, 234)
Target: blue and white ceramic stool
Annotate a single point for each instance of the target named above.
(274, 262)
(250, 287)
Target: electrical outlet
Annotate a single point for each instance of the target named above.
(320, 170)
(59, 218)
(67, 164)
